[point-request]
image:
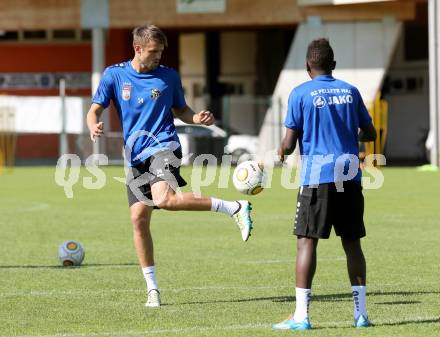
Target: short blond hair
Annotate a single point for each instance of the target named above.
(144, 34)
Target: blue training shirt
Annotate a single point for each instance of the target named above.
(327, 113)
(143, 102)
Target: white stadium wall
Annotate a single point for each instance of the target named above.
(363, 51)
(43, 114)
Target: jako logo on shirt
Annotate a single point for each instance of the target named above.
(341, 99)
(340, 96)
(155, 93)
(319, 102)
(126, 91)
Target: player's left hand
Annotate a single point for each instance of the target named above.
(205, 117)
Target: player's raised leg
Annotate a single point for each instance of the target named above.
(143, 242)
(165, 197)
(357, 272)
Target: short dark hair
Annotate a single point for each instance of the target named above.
(320, 55)
(143, 34)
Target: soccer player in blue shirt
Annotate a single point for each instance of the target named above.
(324, 115)
(147, 97)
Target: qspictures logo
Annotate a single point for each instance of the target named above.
(346, 167)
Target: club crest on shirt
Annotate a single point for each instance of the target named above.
(126, 91)
(155, 93)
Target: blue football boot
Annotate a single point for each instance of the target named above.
(291, 324)
(362, 322)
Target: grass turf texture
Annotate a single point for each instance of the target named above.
(213, 284)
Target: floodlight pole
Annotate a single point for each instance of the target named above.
(63, 134)
(434, 79)
(98, 66)
(95, 16)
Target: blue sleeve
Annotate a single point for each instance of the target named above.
(364, 116)
(104, 93)
(178, 95)
(294, 119)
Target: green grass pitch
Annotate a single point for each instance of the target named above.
(213, 284)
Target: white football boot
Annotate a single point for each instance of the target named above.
(243, 218)
(153, 300)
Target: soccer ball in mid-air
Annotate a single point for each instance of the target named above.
(71, 253)
(248, 177)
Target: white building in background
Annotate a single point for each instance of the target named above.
(239, 57)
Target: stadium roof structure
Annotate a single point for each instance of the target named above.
(67, 14)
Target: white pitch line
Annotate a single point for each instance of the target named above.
(87, 292)
(290, 261)
(157, 331)
(267, 261)
(36, 207)
(228, 328)
(18, 269)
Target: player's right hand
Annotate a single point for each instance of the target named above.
(97, 131)
(281, 154)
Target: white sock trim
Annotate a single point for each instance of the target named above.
(223, 206)
(303, 297)
(215, 204)
(150, 277)
(359, 294)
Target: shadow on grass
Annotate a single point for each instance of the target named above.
(398, 302)
(414, 321)
(86, 265)
(380, 324)
(384, 324)
(329, 298)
